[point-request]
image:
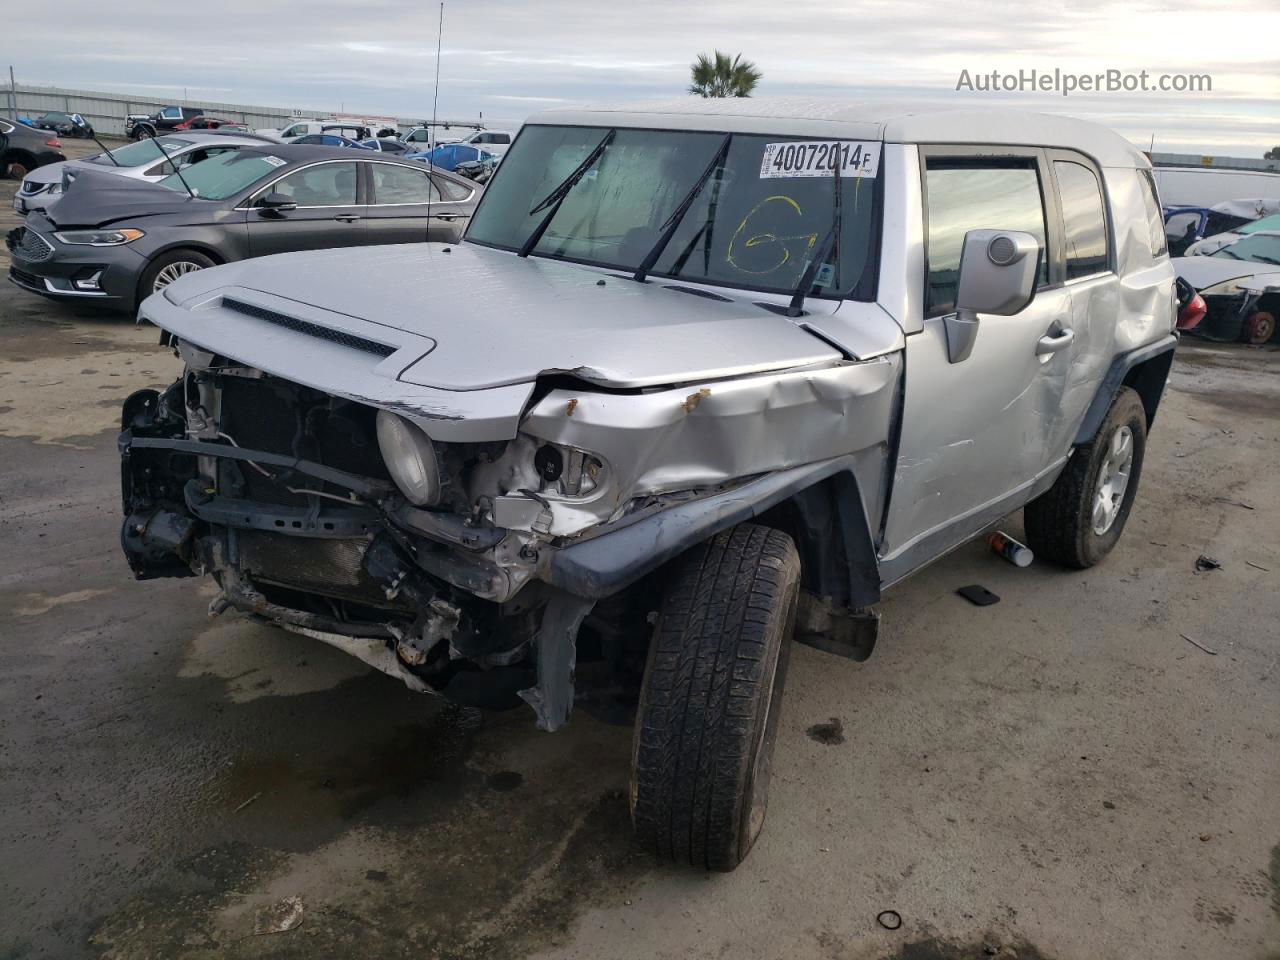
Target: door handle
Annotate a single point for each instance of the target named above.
(1058, 338)
(448, 216)
(347, 217)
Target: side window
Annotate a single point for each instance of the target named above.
(499, 138)
(171, 113)
(297, 130)
(1084, 217)
(324, 185)
(451, 190)
(1150, 197)
(964, 195)
(392, 184)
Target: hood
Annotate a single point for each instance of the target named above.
(98, 199)
(1203, 272)
(497, 319)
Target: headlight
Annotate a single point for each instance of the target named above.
(99, 238)
(411, 459)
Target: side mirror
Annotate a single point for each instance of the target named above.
(278, 202)
(997, 275)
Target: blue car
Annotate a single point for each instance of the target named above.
(329, 140)
(447, 156)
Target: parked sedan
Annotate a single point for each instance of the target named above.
(385, 145)
(148, 159)
(1240, 284)
(328, 140)
(117, 240)
(27, 149)
(65, 124)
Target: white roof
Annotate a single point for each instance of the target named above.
(862, 120)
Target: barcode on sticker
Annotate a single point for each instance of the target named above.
(820, 158)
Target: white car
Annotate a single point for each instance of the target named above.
(299, 128)
(147, 159)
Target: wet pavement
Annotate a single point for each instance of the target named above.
(1060, 775)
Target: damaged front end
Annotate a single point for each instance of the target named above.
(464, 567)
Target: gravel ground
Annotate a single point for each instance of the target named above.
(1060, 775)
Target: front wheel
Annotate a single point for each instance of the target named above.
(710, 700)
(1078, 520)
(168, 267)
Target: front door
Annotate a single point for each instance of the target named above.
(329, 211)
(976, 434)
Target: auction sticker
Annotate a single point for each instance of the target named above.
(275, 161)
(819, 158)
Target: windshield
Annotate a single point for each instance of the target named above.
(1257, 247)
(224, 175)
(754, 224)
(141, 153)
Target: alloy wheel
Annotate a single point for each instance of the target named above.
(1113, 480)
(172, 272)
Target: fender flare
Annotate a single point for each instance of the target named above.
(607, 563)
(1145, 369)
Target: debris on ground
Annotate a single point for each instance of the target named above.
(247, 802)
(1234, 503)
(978, 595)
(1206, 562)
(1197, 643)
(889, 919)
(279, 917)
(1257, 566)
(1019, 554)
(828, 734)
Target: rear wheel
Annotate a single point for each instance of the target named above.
(1260, 327)
(1078, 520)
(17, 165)
(710, 701)
(169, 267)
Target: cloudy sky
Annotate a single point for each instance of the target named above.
(508, 59)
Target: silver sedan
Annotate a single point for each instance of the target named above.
(149, 159)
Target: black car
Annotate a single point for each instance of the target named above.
(166, 118)
(116, 240)
(26, 149)
(65, 124)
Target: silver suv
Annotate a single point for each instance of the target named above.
(699, 378)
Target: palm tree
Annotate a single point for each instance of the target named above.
(718, 76)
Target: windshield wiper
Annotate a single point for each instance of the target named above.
(1265, 259)
(556, 196)
(673, 221)
(177, 171)
(831, 242)
(105, 150)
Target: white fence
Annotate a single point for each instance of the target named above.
(106, 112)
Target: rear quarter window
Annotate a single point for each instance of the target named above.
(1084, 219)
(1155, 222)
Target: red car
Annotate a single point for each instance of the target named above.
(206, 123)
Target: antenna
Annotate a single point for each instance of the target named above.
(435, 97)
